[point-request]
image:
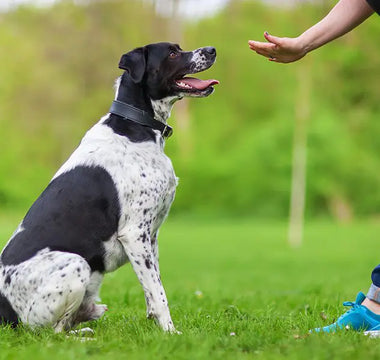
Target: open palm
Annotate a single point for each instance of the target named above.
(282, 50)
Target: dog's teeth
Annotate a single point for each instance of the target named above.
(182, 84)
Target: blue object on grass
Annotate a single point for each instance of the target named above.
(358, 318)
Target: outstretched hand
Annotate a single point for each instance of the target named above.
(277, 49)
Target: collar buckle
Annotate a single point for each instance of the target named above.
(167, 131)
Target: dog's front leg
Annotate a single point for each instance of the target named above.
(154, 244)
(141, 255)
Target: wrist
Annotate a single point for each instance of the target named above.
(306, 44)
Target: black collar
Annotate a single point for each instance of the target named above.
(141, 117)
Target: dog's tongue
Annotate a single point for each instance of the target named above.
(198, 83)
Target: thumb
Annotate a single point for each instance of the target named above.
(273, 39)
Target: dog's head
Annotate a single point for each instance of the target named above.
(161, 68)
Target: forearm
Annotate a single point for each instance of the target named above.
(346, 15)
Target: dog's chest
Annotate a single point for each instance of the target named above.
(146, 186)
(143, 175)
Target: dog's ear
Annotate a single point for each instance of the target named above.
(134, 63)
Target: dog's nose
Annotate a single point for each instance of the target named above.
(211, 50)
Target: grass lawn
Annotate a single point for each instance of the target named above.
(236, 291)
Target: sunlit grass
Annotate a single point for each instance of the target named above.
(236, 291)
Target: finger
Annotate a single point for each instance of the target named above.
(256, 45)
(264, 53)
(272, 39)
(260, 44)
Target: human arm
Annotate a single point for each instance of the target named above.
(346, 15)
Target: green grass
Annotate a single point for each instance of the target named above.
(227, 276)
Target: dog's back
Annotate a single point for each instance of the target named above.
(77, 212)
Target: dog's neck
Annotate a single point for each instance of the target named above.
(162, 108)
(133, 94)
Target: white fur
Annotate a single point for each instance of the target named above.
(162, 108)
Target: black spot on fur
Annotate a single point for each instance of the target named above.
(143, 237)
(7, 280)
(147, 263)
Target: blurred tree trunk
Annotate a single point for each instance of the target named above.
(298, 189)
(157, 23)
(233, 10)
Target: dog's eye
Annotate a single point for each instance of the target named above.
(173, 55)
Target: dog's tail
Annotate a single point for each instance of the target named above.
(7, 314)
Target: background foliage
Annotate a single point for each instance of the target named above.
(234, 154)
(236, 289)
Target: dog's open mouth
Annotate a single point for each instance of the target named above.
(196, 87)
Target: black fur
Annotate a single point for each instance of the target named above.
(135, 132)
(75, 213)
(7, 314)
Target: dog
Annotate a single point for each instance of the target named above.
(104, 206)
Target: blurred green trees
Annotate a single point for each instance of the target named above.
(231, 151)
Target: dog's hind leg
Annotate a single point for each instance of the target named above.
(62, 294)
(89, 310)
(48, 289)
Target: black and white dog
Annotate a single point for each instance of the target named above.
(105, 205)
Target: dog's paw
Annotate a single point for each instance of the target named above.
(91, 312)
(165, 324)
(169, 328)
(82, 335)
(99, 310)
(151, 316)
(83, 332)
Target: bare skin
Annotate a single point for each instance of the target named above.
(346, 15)
(372, 305)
